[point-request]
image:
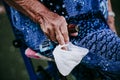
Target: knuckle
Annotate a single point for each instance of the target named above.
(66, 40)
(55, 25)
(58, 37)
(61, 17)
(64, 32)
(44, 30)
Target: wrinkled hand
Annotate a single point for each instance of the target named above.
(111, 23)
(55, 27)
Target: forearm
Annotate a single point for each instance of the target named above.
(109, 6)
(32, 8)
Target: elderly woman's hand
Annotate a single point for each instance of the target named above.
(55, 27)
(52, 24)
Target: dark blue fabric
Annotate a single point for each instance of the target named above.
(94, 34)
(103, 57)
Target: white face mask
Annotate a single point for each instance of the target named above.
(66, 60)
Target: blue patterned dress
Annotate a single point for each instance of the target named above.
(103, 60)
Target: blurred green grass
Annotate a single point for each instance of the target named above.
(11, 63)
(12, 66)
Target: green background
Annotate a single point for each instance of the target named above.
(11, 63)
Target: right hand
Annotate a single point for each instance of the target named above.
(55, 27)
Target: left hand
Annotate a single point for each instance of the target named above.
(111, 23)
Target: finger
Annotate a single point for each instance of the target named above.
(52, 34)
(45, 30)
(64, 32)
(59, 37)
(74, 34)
(65, 35)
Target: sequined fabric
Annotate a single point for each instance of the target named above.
(94, 34)
(103, 58)
(87, 23)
